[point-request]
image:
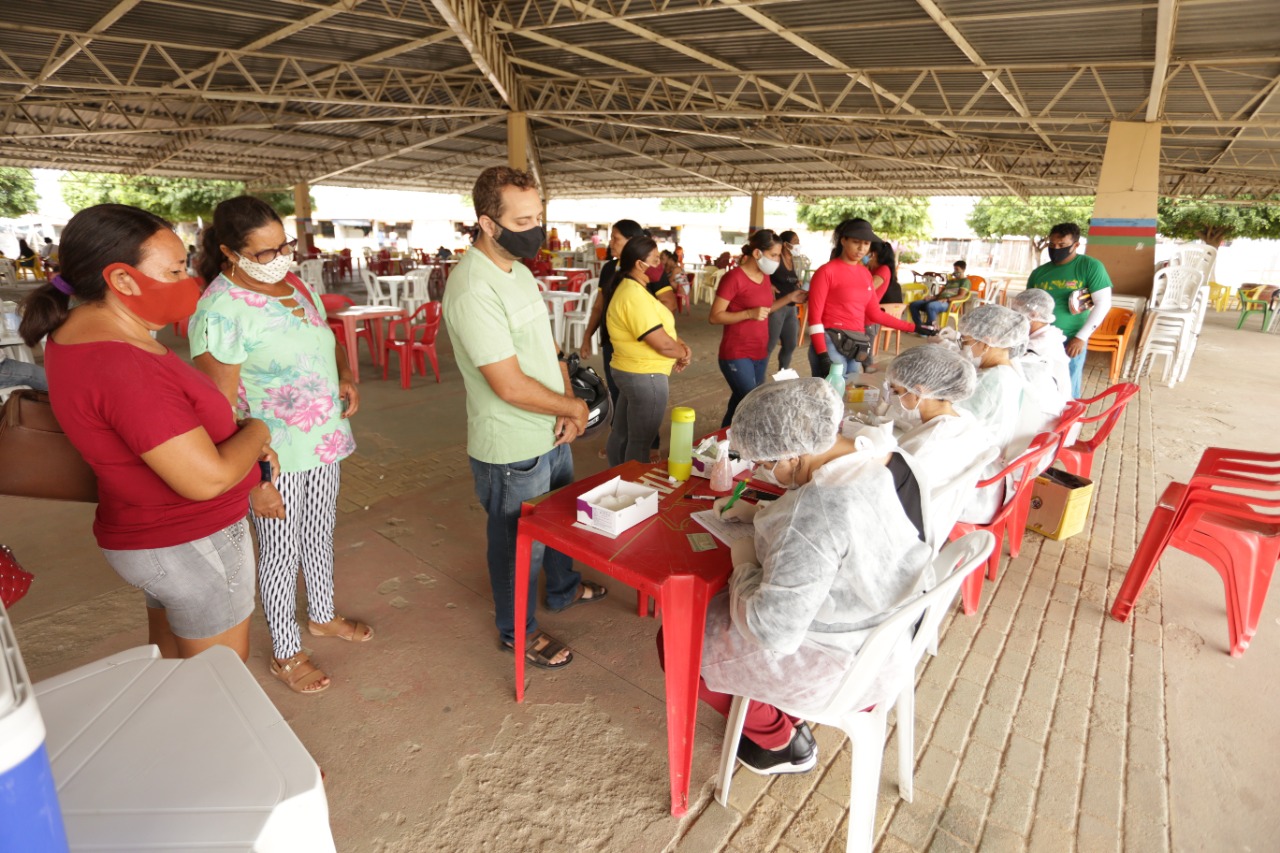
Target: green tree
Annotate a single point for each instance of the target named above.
(175, 199)
(995, 217)
(1214, 222)
(695, 204)
(17, 192)
(892, 218)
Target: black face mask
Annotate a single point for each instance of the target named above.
(1057, 256)
(522, 244)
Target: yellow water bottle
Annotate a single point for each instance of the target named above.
(680, 457)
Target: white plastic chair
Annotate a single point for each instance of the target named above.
(705, 283)
(576, 321)
(417, 291)
(373, 289)
(866, 726)
(8, 273)
(1198, 256)
(312, 275)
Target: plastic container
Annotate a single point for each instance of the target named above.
(862, 394)
(680, 457)
(722, 471)
(30, 817)
(835, 376)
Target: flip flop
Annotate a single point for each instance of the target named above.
(597, 592)
(541, 657)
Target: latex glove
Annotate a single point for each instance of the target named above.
(824, 365)
(743, 551)
(742, 511)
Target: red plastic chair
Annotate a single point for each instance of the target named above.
(1078, 458)
(419, 340)
(1071, 414)
(1220, 517)
(1023, 470)
(336, 302)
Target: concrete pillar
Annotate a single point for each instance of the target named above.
(302, 213)
(518, 140)
(757, 212)
(1122, 232)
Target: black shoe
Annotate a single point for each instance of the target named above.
(799, 756)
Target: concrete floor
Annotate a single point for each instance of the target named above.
(425, 749)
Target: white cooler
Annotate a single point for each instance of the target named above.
(179, 755)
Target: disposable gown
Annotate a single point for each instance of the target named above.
(1047, 345)
(944, 447)
(837, 556)
(1011, 417)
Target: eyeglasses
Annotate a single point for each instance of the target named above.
(266, 256)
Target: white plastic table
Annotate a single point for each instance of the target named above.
(393, 283)
(179, 755)
(557, 300)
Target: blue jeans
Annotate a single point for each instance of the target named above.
(850, 367)
(743, 375)
(1075, 366)
(933, 307)
(14, 372)
(501, 489)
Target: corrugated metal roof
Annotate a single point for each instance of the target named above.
(721, 95)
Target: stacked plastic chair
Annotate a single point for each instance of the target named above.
(1113, 337)
(1179, 300)
(878, 669)
(1229, 516)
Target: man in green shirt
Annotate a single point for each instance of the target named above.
(1081, 291)
(521, 410)
(955, 289)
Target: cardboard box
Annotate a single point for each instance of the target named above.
(614, 521)
(1059, 504)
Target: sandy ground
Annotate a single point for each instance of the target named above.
(422, 742)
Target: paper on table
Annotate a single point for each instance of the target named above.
(727, 532)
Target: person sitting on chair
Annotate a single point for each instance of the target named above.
(955, 290)
(828, 561)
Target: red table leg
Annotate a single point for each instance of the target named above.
(683, 599)
(524, 551)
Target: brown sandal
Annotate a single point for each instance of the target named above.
(298, 672)
(343, 628)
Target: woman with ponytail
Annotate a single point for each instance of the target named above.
(744, 300)
(645, 351)
(261, 335)
(175, 469)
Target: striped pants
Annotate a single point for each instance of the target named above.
(304, 537)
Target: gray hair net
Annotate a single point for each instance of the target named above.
(1034, 304)
(935, 372)
(783, 420)
(997, 326)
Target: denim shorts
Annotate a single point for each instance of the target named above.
(206, 587)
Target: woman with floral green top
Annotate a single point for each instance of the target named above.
(262, 336)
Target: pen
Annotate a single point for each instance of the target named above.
(737, 493)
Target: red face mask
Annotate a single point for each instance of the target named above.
(654, 273)
(160, 302)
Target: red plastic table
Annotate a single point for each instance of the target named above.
(657, 559)
(374, 314)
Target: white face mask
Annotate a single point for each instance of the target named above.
(967, 352)
(272, 273)
(768, 266)
(765, 475)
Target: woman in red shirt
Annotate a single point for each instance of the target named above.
(174, 468)
(743, 301)
(843, 301)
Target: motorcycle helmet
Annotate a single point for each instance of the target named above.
(590, 389)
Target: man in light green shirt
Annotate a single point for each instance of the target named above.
(521, 410)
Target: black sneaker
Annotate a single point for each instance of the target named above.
(799, 756)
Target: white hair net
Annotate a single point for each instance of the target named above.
(997, 326)
(938, 373)
(1034, 304)
(783, 420)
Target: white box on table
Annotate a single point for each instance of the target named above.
(614, 521)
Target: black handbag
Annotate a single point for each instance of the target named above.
(854, 346)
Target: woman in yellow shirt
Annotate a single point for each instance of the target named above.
(645, 350)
